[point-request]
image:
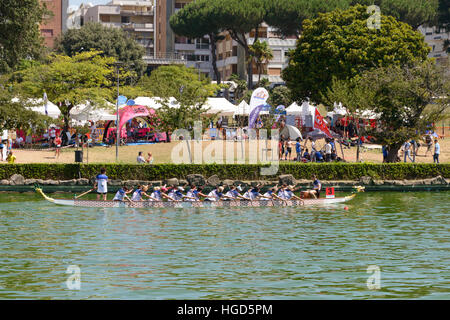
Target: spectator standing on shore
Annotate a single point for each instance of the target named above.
(328, 149)
(429, 143)
(288, 150)
(58, 143)
(52, 134)
(385, 153)
(140, 158)
(2, 146)
(313, 150)
(298, 150)
(437, 151)
(407, 152)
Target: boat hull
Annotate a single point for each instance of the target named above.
(196, 204)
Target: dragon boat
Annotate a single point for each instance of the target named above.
(197, 204)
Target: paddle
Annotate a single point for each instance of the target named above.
(84, 193)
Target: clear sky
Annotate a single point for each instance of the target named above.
(94, 2)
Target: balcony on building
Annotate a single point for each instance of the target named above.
(165, 58)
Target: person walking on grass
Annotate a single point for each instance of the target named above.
(407, 152)
(101, 183)
(58, 143)
(437, 151)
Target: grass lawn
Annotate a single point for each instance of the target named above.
(162, 153)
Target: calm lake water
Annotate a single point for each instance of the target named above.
(284, 253)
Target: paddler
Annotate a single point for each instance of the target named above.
(121, 194)
(233, 193)
(158, 195)
(272, 194)
(193, 194)
(140, 191)
(175, 194)
(253, 194)
(215, 195)
(289, 191)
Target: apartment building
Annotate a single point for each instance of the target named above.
(135, 17)
(231, 56)
(54, 25)
(75, 17)
(435, 37)
(195, 52)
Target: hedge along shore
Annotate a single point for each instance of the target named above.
(343, 176)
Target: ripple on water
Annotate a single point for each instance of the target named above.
(260, 253)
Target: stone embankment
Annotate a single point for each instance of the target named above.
(213, 181)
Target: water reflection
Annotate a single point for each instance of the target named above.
(227, 253)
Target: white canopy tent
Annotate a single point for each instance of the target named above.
(220, 106)
(243, 109)
(294, 109)
(155, 102)
(39, 106)
(85, 112)
(337, 110)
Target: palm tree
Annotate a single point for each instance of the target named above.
(261, 54)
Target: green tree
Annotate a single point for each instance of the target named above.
(340, 44)
(412, 12)
(280, 95)
(87, 77)
(261, 54)
(181, 83)
(20, 37)
(241, 87)
(444, 13)
(113, 42)
(196, 20)
(407, 98)
(287, 16)
(239, 18)
(15, 114)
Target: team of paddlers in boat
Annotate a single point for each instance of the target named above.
(193, 193)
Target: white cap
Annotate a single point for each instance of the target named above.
(239, 187)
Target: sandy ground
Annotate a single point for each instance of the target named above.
(162, 153)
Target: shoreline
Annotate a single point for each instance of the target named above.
(81, 185)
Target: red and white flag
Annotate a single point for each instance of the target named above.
(320, 124)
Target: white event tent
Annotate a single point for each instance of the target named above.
(294, 109)
(39, 106)
(219, 106)
(243, 109)
(85, 112)
(154, 102)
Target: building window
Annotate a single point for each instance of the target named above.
(104, 18)
(47, 33)
(234, 51)
(276, 55)
(124, 19)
